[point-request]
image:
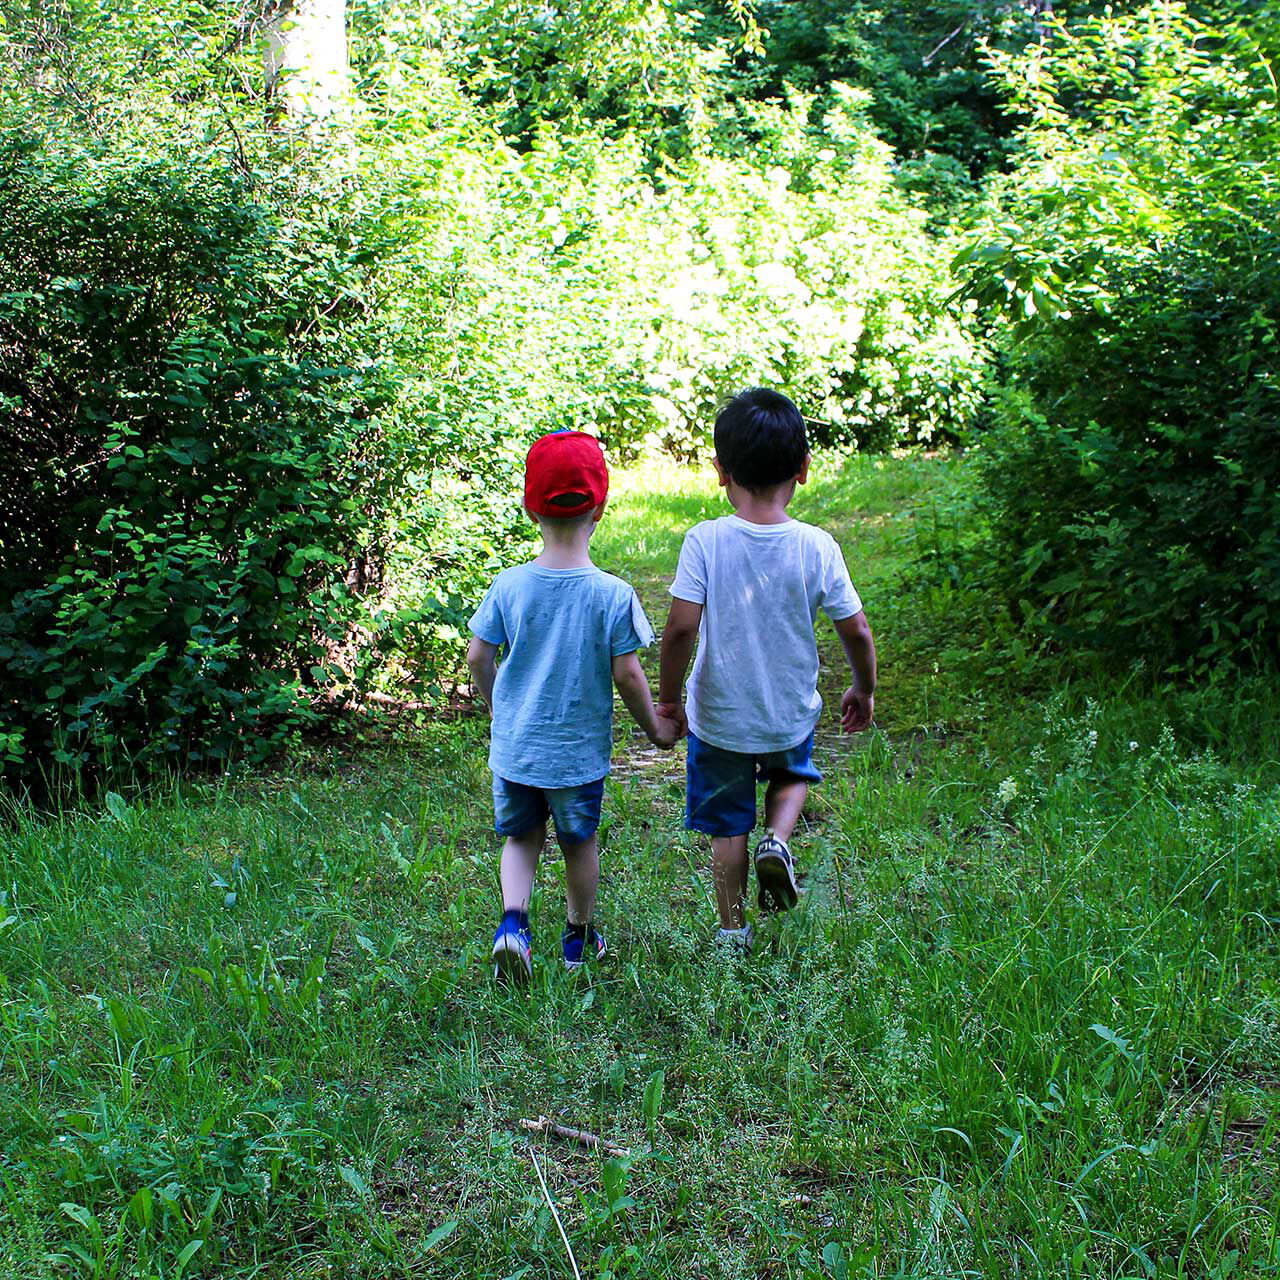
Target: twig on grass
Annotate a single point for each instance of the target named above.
(551, 1204)
(580, 1136)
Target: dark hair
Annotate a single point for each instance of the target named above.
(760, 438)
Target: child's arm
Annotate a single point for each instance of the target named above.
(633, 685)
(858, 704)
(482, 658)
(678, 638)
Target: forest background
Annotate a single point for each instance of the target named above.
(286, 292)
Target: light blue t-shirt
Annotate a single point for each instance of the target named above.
(559, 630)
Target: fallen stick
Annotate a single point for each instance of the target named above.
(580, 1136)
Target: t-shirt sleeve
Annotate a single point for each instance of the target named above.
(690, 582)
(630, 629)
(838, 600)
(487, 623)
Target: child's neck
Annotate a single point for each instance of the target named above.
(768, 506)
(565, 548)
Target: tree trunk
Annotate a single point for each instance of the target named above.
(306, 57)
(1040, 10)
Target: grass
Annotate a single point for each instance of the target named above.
(1025, 1022)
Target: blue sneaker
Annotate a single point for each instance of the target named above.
(776, 874)
(577, 950)
(512, 950)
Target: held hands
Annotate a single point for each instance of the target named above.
(672, 725)
(856, 710)
(673, 711)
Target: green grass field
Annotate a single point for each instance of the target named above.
(1025, 1021)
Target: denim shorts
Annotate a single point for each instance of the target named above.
(576, 810)
(720, 799)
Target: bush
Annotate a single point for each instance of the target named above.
(191, 446)
(1133, 481)
(797, 263)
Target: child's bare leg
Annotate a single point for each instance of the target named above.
(581, 878)
(729, 869)
(783, 801)
(520, 857)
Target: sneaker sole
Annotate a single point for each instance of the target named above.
(509, 964)
(574, 965)
(778, 891)
(735, 948)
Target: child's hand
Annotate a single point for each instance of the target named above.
(668, 733)
(673, 711)
(856, 710)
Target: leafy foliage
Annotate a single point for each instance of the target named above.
(1133, 483)
(920, 64)
(802, 267)
(564, 286)
(190, 450)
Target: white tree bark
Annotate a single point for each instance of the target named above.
(306, 57)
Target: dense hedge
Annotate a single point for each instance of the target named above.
(1132, 483)
(1142, 511)
(189, 454)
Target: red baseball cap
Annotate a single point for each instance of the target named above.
(561, 466)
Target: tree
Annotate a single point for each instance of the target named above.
(306, 56)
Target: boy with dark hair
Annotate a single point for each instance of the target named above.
(748, 588)
(568, 633)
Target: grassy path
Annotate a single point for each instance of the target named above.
(870, 507)
(1026, 1020)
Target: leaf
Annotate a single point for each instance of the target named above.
(117, 807)
(653, 1091)
(189, 1251)
(614, 1176)
(442, 1232)
(141, 1206)
(78, 1213)
(1114, 1039)
(357, 1184)
(833, 1255)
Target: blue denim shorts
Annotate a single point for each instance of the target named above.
(575, 810)
(720, 799)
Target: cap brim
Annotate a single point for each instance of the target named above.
(554, 509)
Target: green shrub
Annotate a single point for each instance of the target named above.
(1132, 482)
(190, 445)
(798, 264)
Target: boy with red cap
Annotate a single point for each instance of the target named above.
(568, 633)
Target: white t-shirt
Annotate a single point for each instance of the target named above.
(754, 686)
